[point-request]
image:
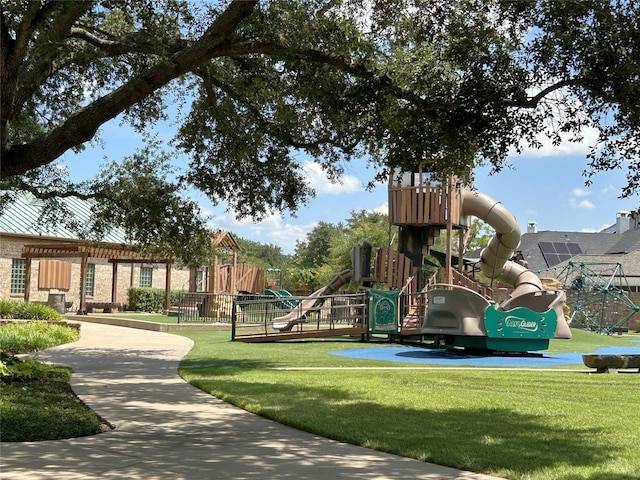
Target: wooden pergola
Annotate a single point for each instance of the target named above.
(115, 253)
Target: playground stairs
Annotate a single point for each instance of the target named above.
(412, 322)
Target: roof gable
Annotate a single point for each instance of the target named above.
(628, 241)
(224, 239)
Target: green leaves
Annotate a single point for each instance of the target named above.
(143, 196)
(442, 85)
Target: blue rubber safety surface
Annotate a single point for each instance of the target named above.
(457, 357)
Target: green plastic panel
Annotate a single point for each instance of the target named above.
(384, 314)
(521, 323)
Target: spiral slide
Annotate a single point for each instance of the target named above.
(287, 322)
(525, 320)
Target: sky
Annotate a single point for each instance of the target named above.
(545, 186)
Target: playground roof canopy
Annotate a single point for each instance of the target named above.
(224, 239)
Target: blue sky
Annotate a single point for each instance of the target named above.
(544, 186)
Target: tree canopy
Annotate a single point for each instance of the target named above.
(432, 83)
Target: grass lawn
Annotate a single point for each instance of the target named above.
(36, 401)
(515, 424)
(45, 408)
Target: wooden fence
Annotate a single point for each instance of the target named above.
(393, 268)
(241, 278)
(422, 205)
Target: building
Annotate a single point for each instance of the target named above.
(619, 243)
(39, 262)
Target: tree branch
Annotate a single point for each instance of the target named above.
(81, 126)
(18, 183)
(533, 102)
(263, 122)
(138, 42)
(30, 79)
(315, 56)
(14, 51)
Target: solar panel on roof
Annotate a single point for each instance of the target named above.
(574, 248)
(551, 259)
(558, 252)
(546, 247)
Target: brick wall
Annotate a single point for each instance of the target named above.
(128, 276)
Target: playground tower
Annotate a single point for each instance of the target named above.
(422, 206)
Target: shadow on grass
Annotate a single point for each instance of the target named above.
(494, 440)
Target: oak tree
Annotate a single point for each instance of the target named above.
(405, 83)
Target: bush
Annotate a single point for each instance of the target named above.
(27, 337)
(23, 370)
(27, 311)
(150, 300)
(174, 297)
(6, 309)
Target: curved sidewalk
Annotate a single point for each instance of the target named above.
(168, 430)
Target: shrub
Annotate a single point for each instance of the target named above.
(21, 370)
(27, 311)
(150, 300)
(174, 297)
(26, 337)
(6, 309)
(146, 299)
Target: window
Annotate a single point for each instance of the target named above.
(91, 279)
(146, 276)
(199, 281)
(18, 275)
(54, 274)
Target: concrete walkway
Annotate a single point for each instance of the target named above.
(168, 430)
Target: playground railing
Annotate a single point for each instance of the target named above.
(413, 309)
(205, 307)
(269, 316)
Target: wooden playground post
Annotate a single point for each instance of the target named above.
(449, 202)
(463, 237)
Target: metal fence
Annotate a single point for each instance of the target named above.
(273, 316)
(205, 307)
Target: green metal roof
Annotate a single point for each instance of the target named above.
(23, 217)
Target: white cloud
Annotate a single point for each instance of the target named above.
(565, 149)
(582, 204)
(577, 199)
(595, 230)
(273, 229)
(609, 190)
(318, 180)
(384, 209)
(580, 192)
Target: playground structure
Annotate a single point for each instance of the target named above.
(526, 320)
(457, 311)
(596, 295)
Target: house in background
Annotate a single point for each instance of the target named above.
(38, 263)
(619, 243)
(611, 255)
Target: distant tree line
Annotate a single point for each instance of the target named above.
(325, 251)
